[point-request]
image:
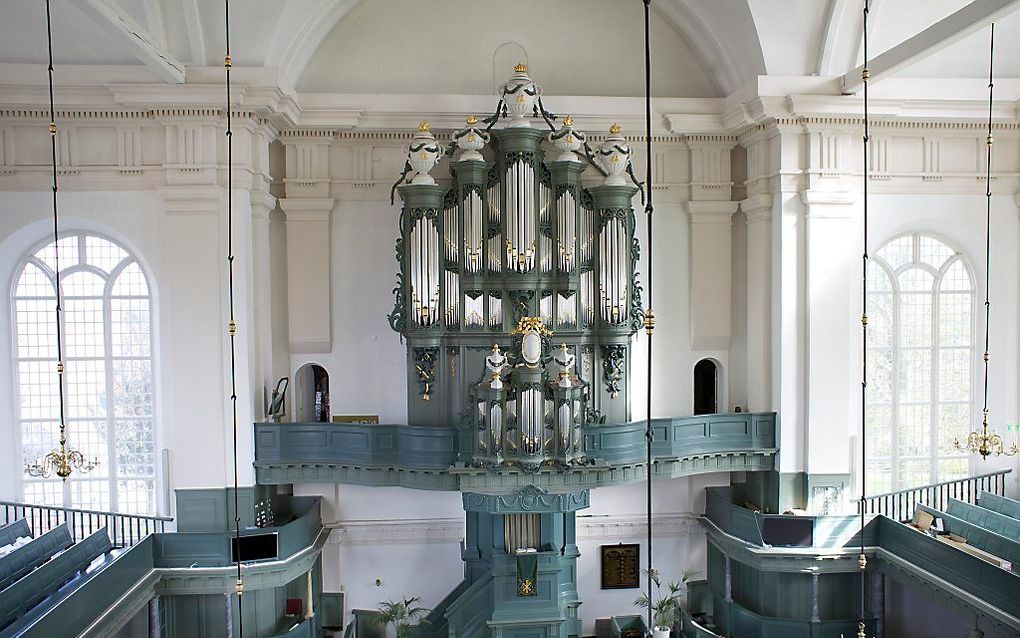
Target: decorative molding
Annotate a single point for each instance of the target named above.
(397, 532)
(680, 525)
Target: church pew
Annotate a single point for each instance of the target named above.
(27, 557)
(985, 518)
(13, 531)
(978, 537)
(28, 591)
(1001, 504)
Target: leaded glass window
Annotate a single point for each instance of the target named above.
(108, 394)
(920, 363)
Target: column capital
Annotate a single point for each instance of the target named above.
(307, 209)
(757, 208)
(192, 200)
(825, 204)
(711, 212)
(262, 203)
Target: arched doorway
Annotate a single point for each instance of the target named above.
(311, 396)
(706, 387)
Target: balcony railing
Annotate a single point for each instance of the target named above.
(124, 529)
(900, 505)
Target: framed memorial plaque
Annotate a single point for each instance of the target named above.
(621, 566)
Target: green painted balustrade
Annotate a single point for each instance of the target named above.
(430, 457)
(729, 517)
(1001, 504)
(212, 549)
(469, 613)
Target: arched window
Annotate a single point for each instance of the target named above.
(920, 363)
(107, 332)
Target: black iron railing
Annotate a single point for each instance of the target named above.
(124, 529)
(900, 505)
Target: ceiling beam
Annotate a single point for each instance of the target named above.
(938, 36)
(140, 41)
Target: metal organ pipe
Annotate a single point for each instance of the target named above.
(425, 254)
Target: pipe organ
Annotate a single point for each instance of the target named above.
(529, 245)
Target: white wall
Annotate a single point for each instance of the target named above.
(190, 352)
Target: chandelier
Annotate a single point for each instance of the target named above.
(63, 460)
(987, 442)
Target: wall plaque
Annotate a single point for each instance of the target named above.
(621, 566)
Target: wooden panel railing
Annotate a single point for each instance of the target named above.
(900, 505)
(124, 529)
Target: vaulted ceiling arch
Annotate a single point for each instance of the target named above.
(721, 34)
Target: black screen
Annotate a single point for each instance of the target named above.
(788, 531)
(255, 547)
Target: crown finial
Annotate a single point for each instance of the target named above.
(615, 129)
(568, 120)
(471, 120)
(522, 67)
(424, 127)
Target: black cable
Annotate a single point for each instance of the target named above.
(988, 226)
(232, 326)
(649, 316)
(56, 233)
(862, 560)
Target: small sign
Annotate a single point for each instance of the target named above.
(1013, 427)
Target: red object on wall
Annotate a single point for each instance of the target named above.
(295, 606)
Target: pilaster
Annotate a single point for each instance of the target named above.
(309, 309)
(262, 204)
(711, 276)
(830, 321)
(758, 211)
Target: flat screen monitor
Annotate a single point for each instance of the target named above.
(788, 531)
(255, 547)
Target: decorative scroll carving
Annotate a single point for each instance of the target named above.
(613, 358)
(425, 365)
(530, 500)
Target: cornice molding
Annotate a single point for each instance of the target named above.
(307, 209)
(608, 526)
(397, 532)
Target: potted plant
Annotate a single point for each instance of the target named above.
(667, 601)
(401, 614)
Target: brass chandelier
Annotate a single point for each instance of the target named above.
(987, 442)
(63, 460)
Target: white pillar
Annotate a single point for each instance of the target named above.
(309, 610)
